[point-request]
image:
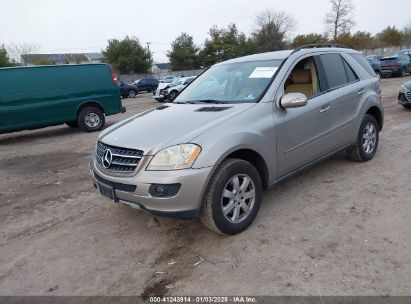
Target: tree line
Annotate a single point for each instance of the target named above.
(272, 32)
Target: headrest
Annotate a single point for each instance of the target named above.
(301, 76)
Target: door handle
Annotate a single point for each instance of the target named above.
(324, 109)
(362, 91)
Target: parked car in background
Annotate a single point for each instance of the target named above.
(169, 91)
(243, 126)
(374, 61)
(405, 52)
(177, 86)
(147, 84)
(160, 93)
(395, 65)
(168, 79)
(78, 95)
(128, 90)
(404, 97)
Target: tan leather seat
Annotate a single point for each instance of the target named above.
(301, 82)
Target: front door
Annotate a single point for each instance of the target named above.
(301, 132)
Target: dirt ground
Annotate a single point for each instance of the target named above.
(340, 228)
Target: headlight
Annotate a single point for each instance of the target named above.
(403, 89)
(175, 158)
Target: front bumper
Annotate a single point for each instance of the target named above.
(185, 204)
(160, 94)
(404, 98)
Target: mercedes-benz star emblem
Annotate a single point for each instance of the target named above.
(107, 159)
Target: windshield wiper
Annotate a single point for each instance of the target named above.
(207, 101)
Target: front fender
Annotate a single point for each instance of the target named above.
(213, 154)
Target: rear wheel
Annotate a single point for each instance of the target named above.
(233, 197)
(403, 72)
(367, 140)
(91, 119)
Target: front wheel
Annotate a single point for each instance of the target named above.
(132, 94)
(233, 197)
(172, 96)
(91, 119)
(367, 140)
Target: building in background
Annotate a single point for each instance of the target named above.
(58, 59)
(161, 70)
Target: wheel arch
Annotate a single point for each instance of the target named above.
(91, 103)
(255, 159)
(377, 114)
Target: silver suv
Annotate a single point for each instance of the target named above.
(241, 127)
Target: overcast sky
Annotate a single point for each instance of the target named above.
(85, 25)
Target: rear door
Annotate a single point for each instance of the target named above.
(344, 89)
(143, 85)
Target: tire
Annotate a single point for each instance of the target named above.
(211, 212)
(132, 94)
(160, 99)
(378, 72)
(72, 124)
(362, 151)
(403, 72)
(173, 95)
(91, 119)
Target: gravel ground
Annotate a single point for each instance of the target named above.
(340, 228)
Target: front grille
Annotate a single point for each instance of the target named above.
(408, 95)
(123, 160)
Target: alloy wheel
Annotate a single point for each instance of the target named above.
(238, 198)
(369, 138)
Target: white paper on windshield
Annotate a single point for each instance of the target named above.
(263, 72)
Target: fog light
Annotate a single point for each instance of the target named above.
(159, 190)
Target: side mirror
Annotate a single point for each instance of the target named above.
(293, 100)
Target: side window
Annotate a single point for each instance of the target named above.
(360, 59)
(334, 70)
(350, 72)
(303, 78)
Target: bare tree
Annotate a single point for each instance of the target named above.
(272, 30)
(339, 19)
(15, 50)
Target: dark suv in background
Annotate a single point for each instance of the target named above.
(148, 84)
(374, 61)
(395, 65)
(128, 90)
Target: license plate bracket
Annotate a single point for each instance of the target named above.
(108, 192)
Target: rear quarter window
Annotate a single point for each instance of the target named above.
(361, 61)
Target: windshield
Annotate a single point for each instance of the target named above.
(175, 82)
(239, 82)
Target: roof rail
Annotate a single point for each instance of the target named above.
(319, 45)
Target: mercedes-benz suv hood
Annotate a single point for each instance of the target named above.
(168, 125)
